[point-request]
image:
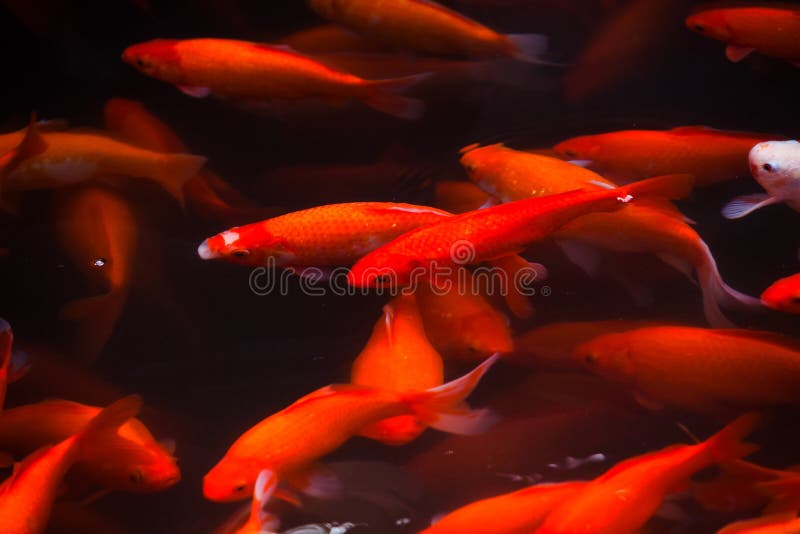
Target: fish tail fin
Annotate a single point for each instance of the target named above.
(529, 47)
(671, 186)
(266, 484)
(384, 95)
(443, 408)
(716, 293)
(177, 169)
(727, 444)
(111, 417)
(519, 274)
(94, 318)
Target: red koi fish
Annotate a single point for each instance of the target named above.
(258, 73)
(783, 295)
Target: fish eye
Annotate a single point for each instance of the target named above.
(240, 488)
(240, 253)
(136, 477)
(699, 28)
(591, 359)
(570, 153)
(769, 167)
(141, 62)
(796, 299)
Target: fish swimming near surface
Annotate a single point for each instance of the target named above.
(27, 496)
(288, 442)
(73, 156)
(398, 357)
(783, 295)
(652, 225)
(698, 369)
(129, 459)
(710, 155)
(775, 165)
(768, 28)
(260, 74)
(427, 27)
(623, 499)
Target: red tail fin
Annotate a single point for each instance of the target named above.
(672, 186)
(112, 416)
(727, 444)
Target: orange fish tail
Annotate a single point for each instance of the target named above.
(384, 96)
(727, 444)
(443, 407)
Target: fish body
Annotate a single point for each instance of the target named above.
(782, 523)
(768, 28)
(783, 295)
(330, 235)
(398, 357)
(710, 155)
(257, 73)
(624, 498)
(288, 442)
(128, 459)
(26, 498)
(72, 156)
(699, 369)
(427, 27)
(651, 225)
(518, 512)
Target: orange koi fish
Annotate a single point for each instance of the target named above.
(518, 512)
(784, 523)
(289, 441)
(652, 225)
(427, 27)
(398, 357)
(127, 460)
(460, 197)
(26, 498)
(6, 343)
(257, 73)
(97, 230)
(783, 295)
(699, 369)
(462, 324)
(550, 346)
(331, 235)
(69, 157)
(30, 145)
(769, 28)
(624, 498)
(208, 195)
(710, 155)
(492, 233)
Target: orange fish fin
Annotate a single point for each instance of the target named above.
(315, 480)
(520, 275)
(440, 407)
(737, 53)
(727, 444)
(664, 206)
(384, 96)
(19, 467)
(671, 186)
(112, 416)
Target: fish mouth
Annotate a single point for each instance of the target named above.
(204, 251)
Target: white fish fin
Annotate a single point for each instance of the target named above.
(316, 480)
(528, 47)
(584, 256)
(196, 92)
(648, 403)
(466, 423)
(604, 185)
(265, 486)
(717, 293)
(672, 511)
(582, 163)
(747, 204)
(737, 53)
(384, 97)
(679, 264)
(491, 201)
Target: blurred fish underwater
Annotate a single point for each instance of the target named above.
(363, 266)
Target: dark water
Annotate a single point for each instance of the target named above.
(211, 358)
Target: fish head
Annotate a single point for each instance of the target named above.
(710, 22)
(247, 245)
(783, 295)
(776, 165)
(583, 147)
(158, 58)
(154, 471)
(230, 480)
(485, 166)
(608, 356)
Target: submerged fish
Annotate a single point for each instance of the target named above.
(625, 497)
(398, 357)
(254, 73)
(288, 442)
(492, 233)
(769, 28)
(70, 157)
(783, 295)
(518, 512)
(129, 459)
(430, 28)
(26, 498)
(651, 225)
(699, 369)
(775, 165)
(710, 155)
(784, 523)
